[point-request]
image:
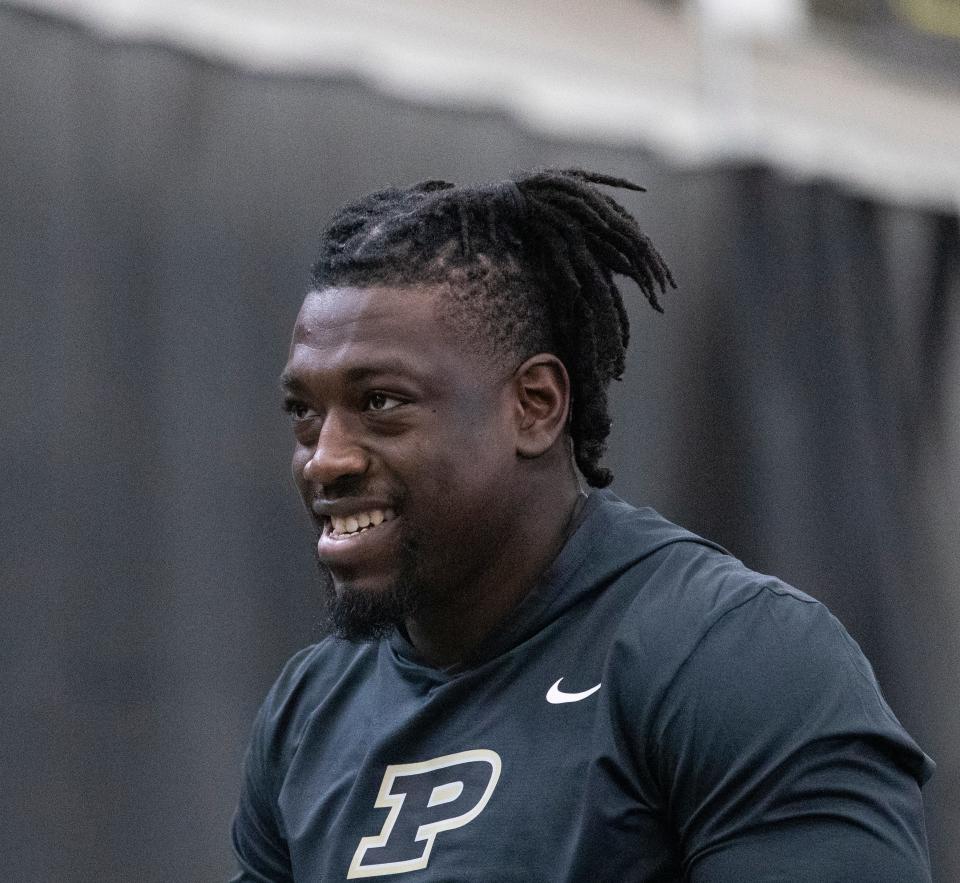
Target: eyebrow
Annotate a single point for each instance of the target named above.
(291, 382)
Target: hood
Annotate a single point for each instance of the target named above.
(610, 538)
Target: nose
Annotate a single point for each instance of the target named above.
(336, 456)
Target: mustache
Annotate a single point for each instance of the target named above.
(394, 500)
(349, 487)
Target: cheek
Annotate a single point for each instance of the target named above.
(461, 460)
(469, 480)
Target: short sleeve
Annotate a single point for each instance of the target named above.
(259, 842)
(781, 759)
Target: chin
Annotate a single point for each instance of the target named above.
(364, 611)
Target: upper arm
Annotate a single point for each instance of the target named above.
(847, 813)
(258, 836)
(258, 843)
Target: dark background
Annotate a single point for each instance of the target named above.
(158, 213)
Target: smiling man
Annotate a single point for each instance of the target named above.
(433, 481)
(523, 681)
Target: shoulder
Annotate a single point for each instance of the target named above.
(692, 602)
(676, 585)
(689, 589)
(723, 663)
(671, 587)
(757, 714)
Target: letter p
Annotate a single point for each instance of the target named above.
(424, 799)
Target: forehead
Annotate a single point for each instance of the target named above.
(334, 313)
(348, 327)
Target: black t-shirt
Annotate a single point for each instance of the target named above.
(654, 711)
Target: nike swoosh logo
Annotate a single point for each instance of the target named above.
(556, 696)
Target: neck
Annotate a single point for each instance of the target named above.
(445, 636)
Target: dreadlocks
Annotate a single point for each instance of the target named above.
(528, 265)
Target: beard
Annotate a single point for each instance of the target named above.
(357, 615)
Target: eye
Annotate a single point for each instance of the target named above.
(298, 410)
(380, 401)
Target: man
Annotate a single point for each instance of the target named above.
(522, 681)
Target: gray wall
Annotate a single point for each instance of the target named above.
(157, 215)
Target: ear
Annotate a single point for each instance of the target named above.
(542, 388)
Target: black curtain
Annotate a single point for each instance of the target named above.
(158, 214)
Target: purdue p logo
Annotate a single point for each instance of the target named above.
(424, 799)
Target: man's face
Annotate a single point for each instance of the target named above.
(404, 453)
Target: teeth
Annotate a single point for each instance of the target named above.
(359, 521)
